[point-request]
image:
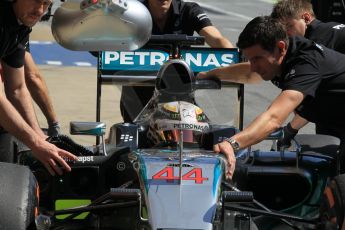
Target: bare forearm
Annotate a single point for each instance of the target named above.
(219, 43)
(214, 38)
(258, 130)
(38, 88)
(20, 99)
(18, 94)
(271, 119)
(239, 73)
(39, 92)
(11, 121)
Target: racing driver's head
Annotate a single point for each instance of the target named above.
(170, 119)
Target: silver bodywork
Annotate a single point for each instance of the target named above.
(106, 25)
(87, 128)
(189, 203)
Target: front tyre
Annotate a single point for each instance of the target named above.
(333, 204)
(18, 197)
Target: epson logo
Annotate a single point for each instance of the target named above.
(80, 159)
(85, 159)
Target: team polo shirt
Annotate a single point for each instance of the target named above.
(318, 73)
(330, 34)
(13, 36)
(184, 18)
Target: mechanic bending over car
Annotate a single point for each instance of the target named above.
(299, 18)
(39, 92)
(311, 76)
(170, 17)
(16, 111)
(38, 87)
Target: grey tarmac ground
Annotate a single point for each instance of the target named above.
(73, 91)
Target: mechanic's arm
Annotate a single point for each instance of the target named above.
(214, 38)
(239, 73)
(38, 89)
(263, 125)
(18, 94)
(50, 156)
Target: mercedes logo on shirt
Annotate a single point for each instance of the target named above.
(290, 74)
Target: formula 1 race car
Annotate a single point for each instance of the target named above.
(160, 172)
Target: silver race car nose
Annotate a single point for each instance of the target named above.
(96, 25)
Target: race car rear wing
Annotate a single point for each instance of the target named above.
(140, 68)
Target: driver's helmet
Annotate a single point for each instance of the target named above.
(169, 119)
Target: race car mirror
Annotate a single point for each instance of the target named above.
(100, 25)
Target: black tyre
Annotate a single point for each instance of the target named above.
(18, 197)
(332, 208)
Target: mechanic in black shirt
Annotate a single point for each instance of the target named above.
(38, 87)
(170, 17)
(299, 18)
(16, 111)
(300, 67)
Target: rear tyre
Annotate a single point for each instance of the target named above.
(333, 204)
(18, 197)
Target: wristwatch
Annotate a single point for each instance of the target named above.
(234, 144)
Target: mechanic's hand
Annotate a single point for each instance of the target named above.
(288, 134)
(53, 158)
(54, 129)
(201, 75)
(225, 148)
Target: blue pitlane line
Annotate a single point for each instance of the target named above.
(51, 53)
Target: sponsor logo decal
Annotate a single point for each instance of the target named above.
(319, 46)
(151, 60)
(290, 75)
(85, 159)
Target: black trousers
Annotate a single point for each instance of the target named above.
(336, 131)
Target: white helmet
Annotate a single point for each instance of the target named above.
(169, 118)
